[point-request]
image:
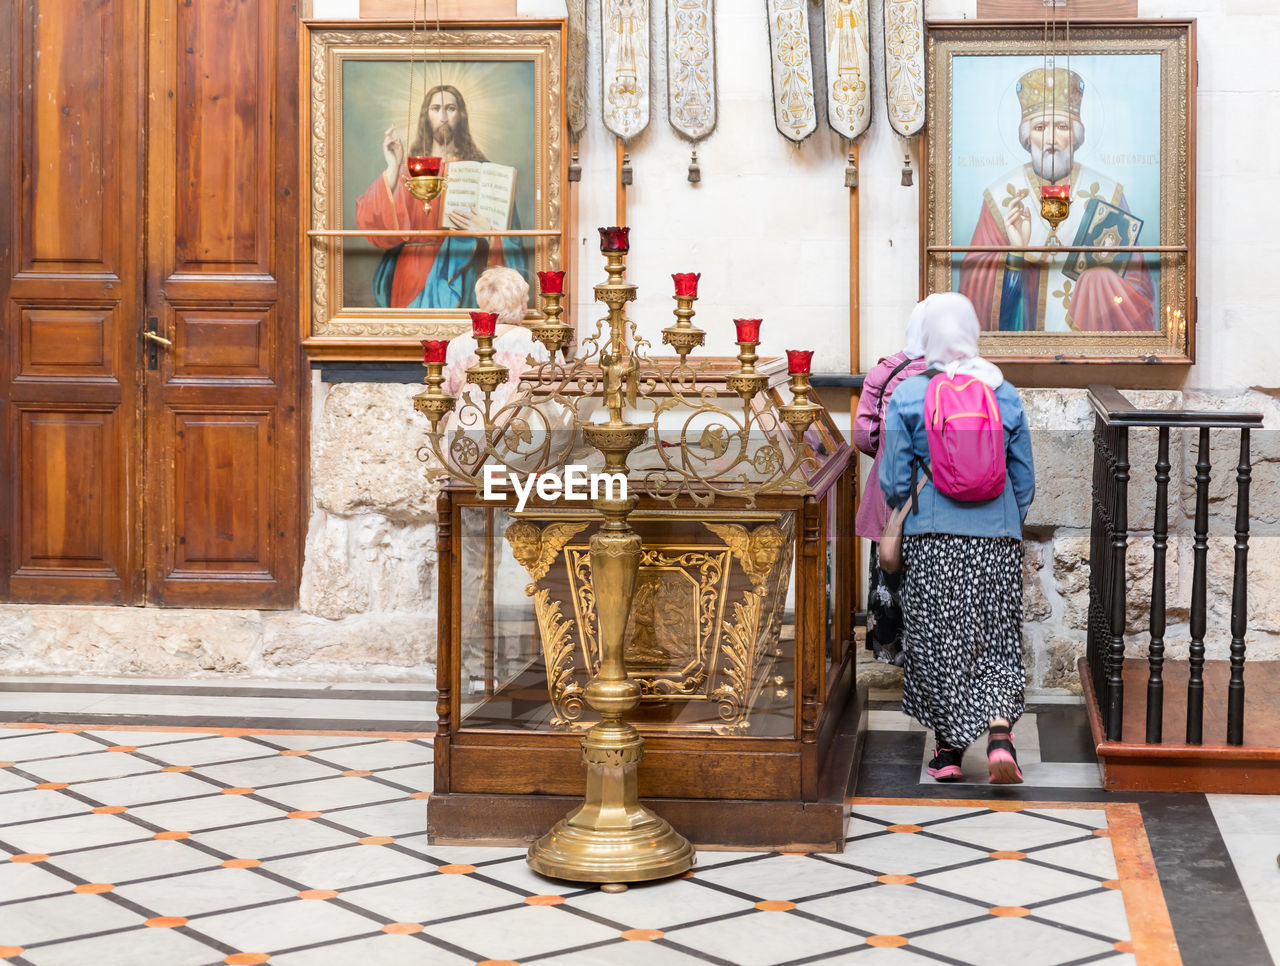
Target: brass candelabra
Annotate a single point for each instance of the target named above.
(706, 445)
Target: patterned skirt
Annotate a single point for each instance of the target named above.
(962, 603)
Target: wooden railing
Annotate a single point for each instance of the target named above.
(1111, 525)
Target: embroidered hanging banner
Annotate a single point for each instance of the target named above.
(794, 108)
(576, 72)
(691, 67)
(904, 65)
(624, 48)
(848, 66)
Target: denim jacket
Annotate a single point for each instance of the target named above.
(905, 440)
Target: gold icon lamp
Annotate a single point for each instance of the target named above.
(425, 181)
(1055, 206)
(611, 838)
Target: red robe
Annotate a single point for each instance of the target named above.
(382, 209)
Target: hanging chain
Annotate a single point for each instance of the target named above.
(1044, 66)
(1066, 12)
(413, 46)
(439, 49)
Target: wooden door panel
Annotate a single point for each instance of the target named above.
(222, 250)
(221, 343)
(223, 146)
(222, 489)
(70, 294)
(68, 524)
(74, 128)
(68, 343)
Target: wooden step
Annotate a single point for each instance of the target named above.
(1174, 765)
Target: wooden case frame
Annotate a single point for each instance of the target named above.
(1174, 296)
(331, 330)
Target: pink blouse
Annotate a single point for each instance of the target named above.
(873, 512)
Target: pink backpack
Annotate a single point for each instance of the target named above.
(966, 438)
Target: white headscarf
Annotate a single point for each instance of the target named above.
(914, 348)
(951, 338)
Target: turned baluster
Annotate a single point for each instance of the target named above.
(1159, 545)
(1239, 598)
(1200, 546)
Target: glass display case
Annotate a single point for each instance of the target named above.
(739, 637)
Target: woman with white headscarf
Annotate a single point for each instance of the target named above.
(962, 579)
(884, 623)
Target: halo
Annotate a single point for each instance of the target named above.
(490, 89)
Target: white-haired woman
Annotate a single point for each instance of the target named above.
(505, 292)
(962, 581)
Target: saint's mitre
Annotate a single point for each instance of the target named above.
(1043, 91)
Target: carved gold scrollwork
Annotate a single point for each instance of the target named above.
(556, 633)
(735, 698)
(536, 548)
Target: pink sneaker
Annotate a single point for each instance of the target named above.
(1002, 759)
(945, 764)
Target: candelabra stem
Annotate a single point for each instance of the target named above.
(611, 837)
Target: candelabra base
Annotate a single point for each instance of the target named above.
(627, 846)
(611, 837)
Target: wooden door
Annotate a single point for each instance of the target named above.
(222, 470)
(154, 186)
(70, 291)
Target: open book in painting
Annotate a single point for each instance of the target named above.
(1105, 226)
(489, 188)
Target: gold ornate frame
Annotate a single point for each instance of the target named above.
(332, 331)
(1174, 41)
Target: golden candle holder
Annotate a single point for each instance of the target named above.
(434, 403)
(746, 382)
(426, 187)
(800, 413)
(684, 336)
(486, 374)
(611, 838)
(552, 333)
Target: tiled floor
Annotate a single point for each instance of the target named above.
(155, 844)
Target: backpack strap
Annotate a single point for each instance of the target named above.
(917, 464)
(885, 385)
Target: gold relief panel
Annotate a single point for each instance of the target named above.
(707, 628)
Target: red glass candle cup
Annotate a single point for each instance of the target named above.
(421, 166)
(551, 283)
(686, 284)
(748, 329)
(614, 239)
(1060, 191)
(434, 350)
(483, 323)
(798, 361)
